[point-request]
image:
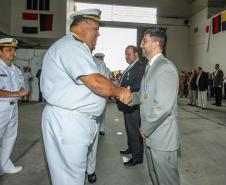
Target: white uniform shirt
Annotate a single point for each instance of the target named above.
(11, 79)
(66, 61)
(27, 79)
(102, 67)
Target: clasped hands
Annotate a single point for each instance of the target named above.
(125, 95)
(22, 92)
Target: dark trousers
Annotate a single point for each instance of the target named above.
(224, 90)
(40, 93)
(218, 95)
(135, 141)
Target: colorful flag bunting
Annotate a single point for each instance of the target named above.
(216, 24)
(46, 22)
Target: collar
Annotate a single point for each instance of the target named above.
(76, 37)
(154, 58)
(4, 64)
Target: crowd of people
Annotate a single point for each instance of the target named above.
(200, 86)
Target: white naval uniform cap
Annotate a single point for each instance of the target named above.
(93, 14)
(8, 42)
(99, 55)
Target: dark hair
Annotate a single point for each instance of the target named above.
(135, 49)
(158, 34)
(77, 20)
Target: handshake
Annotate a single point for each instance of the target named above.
(125, 95)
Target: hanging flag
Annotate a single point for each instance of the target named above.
(207, 34)
(30, 23)
(30, 16)
(223, 21)
(46, 22)
(30, 30)
(216, 24)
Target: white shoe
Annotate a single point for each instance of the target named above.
(16, 169)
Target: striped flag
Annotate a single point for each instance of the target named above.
(216, 24)
(30, 23)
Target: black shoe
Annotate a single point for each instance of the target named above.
(92, 178)
(127, 151)
(133, 162)
(213, 103)
(102, 133)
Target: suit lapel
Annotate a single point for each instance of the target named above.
(127, 70)
(151, 68)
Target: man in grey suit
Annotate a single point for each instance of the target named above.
(158, 105)
(218, 79)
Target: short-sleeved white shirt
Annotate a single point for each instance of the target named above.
(63, 64)
(102, 67)
(11, 79)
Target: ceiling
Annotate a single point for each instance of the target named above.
(167, 8)
(183, 9)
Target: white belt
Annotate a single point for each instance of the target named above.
(8, 103)
(84, 114)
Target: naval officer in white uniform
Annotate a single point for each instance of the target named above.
(91, 163)
(74, 91)
(11, 87)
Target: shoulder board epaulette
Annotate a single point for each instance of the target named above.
(76, 38)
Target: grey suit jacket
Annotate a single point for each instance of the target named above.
(159, 105)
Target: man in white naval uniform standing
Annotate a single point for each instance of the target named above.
(91, 163)
(11, 88)
(74, 89)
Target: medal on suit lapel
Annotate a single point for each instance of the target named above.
(127, 77)
(145, 91)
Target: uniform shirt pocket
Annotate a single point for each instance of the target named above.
(3, 81)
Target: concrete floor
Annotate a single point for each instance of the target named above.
(202, 161)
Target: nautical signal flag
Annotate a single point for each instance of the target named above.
(30, 23)
(33, 22)
(216, 24)
(223, 21)
(46, 22)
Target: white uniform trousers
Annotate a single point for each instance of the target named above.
(102, 121)
(163, 167)
(8, 133)
(91, 159)
(202, 99)
(67, 137)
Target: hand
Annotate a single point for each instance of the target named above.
(125, 95)
(142, 133)
(22, 92)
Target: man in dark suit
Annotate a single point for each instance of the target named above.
(132, 77)
(202, 84)
(218, 78)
